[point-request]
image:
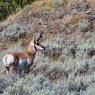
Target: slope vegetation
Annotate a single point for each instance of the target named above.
(67, 66)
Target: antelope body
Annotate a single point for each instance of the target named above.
(18, 61)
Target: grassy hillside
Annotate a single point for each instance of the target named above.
(67, 66)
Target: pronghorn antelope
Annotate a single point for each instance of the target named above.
(19, 61)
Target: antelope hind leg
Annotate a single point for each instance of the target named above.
(6, 71)
(12, 70)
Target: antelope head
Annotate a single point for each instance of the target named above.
(35, 45)
(38, 46)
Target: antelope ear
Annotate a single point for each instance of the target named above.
(37, 36)
(33, 40)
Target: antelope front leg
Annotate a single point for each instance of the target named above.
(27, 70)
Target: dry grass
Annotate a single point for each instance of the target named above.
(42, 5)
(92, 3)
(73, 19)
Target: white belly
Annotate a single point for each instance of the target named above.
(22, 64)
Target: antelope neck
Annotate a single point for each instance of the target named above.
(32, 50)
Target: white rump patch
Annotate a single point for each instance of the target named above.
(8, 59)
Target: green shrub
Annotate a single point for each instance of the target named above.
(11, 7)
(84, 25)
(1, 16)
(14, 31)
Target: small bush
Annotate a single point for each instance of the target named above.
(13, 32)
(57, 3)
(90, 91)
(84, 25)
(27, 86)
(1, 16)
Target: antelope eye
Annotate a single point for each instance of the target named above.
(37, 43)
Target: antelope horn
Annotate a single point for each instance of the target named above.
(38, 36)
